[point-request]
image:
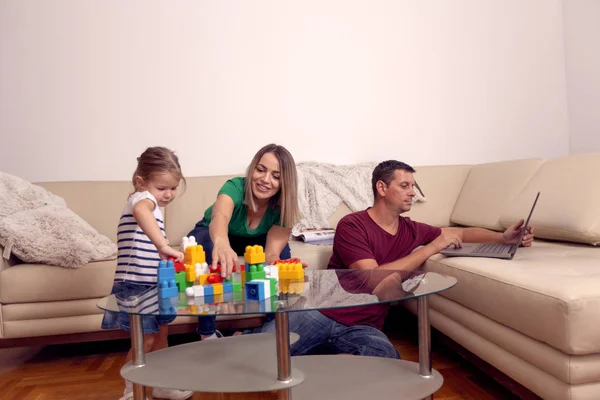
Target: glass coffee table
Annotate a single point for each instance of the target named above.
(262, 362)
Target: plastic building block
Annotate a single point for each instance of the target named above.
(261, 289)
(194, 255)
(258, 290)
(190, 273)
(203, 279)
(291, 286)
(186, 242)
(236, 287)
(255, 272)
(179, 266)
(208, 290)
(227, 287)
(271, 271)
(202, 269)
(217, 288)
(195, 291)
(290, 271)
(167, 285)
(288, 261)
(254, 255)
(214, 278)
(181, 282)
(166, 306)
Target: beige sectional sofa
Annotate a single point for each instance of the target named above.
(535, 317)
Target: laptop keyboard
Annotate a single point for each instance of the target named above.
(492, 248)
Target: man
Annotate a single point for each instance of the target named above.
(379, 238)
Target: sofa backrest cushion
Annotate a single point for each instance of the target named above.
(188, 208)
(99, 203)
(489, 189)
(441, 186)
(569, 204)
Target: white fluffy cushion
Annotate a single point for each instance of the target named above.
(37, 227)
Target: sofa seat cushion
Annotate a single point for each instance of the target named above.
(32, 283)
(548, 292)
(316, 256)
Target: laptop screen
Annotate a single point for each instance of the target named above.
(524, 230)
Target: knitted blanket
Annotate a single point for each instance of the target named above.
(37, 227)
(323, 187)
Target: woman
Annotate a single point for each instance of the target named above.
(258, 209)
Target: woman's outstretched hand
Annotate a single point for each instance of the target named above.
(223, 254)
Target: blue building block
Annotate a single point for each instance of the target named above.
(208, 290)
(166, 306)
(207, 299)
(167, 285)
(227, 287)
(255, 291)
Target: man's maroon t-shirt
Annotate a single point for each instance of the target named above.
(358, 237)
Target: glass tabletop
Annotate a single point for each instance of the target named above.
(318, 290)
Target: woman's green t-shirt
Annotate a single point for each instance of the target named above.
(238, 225)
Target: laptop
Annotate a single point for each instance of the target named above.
(491, 250)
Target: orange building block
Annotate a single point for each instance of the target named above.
(254, 255)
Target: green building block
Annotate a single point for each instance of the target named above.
(182, 284)
(255, 271)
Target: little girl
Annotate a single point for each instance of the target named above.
(142, 244)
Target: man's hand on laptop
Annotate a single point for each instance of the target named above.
(447, 239)
(512, 233)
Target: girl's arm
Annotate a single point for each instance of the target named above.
(142, 212)
(219, 230)
(277, 238)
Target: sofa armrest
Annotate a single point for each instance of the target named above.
(4, 263)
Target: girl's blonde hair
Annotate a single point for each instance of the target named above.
(286, 199)
(157, 160)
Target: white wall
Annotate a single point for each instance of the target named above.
(85, 86)
(582, 48)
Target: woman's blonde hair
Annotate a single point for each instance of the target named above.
(286, 199)
(157, 160)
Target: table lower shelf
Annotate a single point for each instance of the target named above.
(359, 378)
(248, 363)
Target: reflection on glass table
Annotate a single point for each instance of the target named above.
(318, 290)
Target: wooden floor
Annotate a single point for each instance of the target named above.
(91, 371)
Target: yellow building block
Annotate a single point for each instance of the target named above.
(291, 271)
(217, 288)
(190, 273)
(254, 255)
(292, 286)
(202, 279)
(194, 255)
(219, 298)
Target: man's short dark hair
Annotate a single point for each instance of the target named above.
(385, 172)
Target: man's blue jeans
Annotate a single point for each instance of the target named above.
(322, 335)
